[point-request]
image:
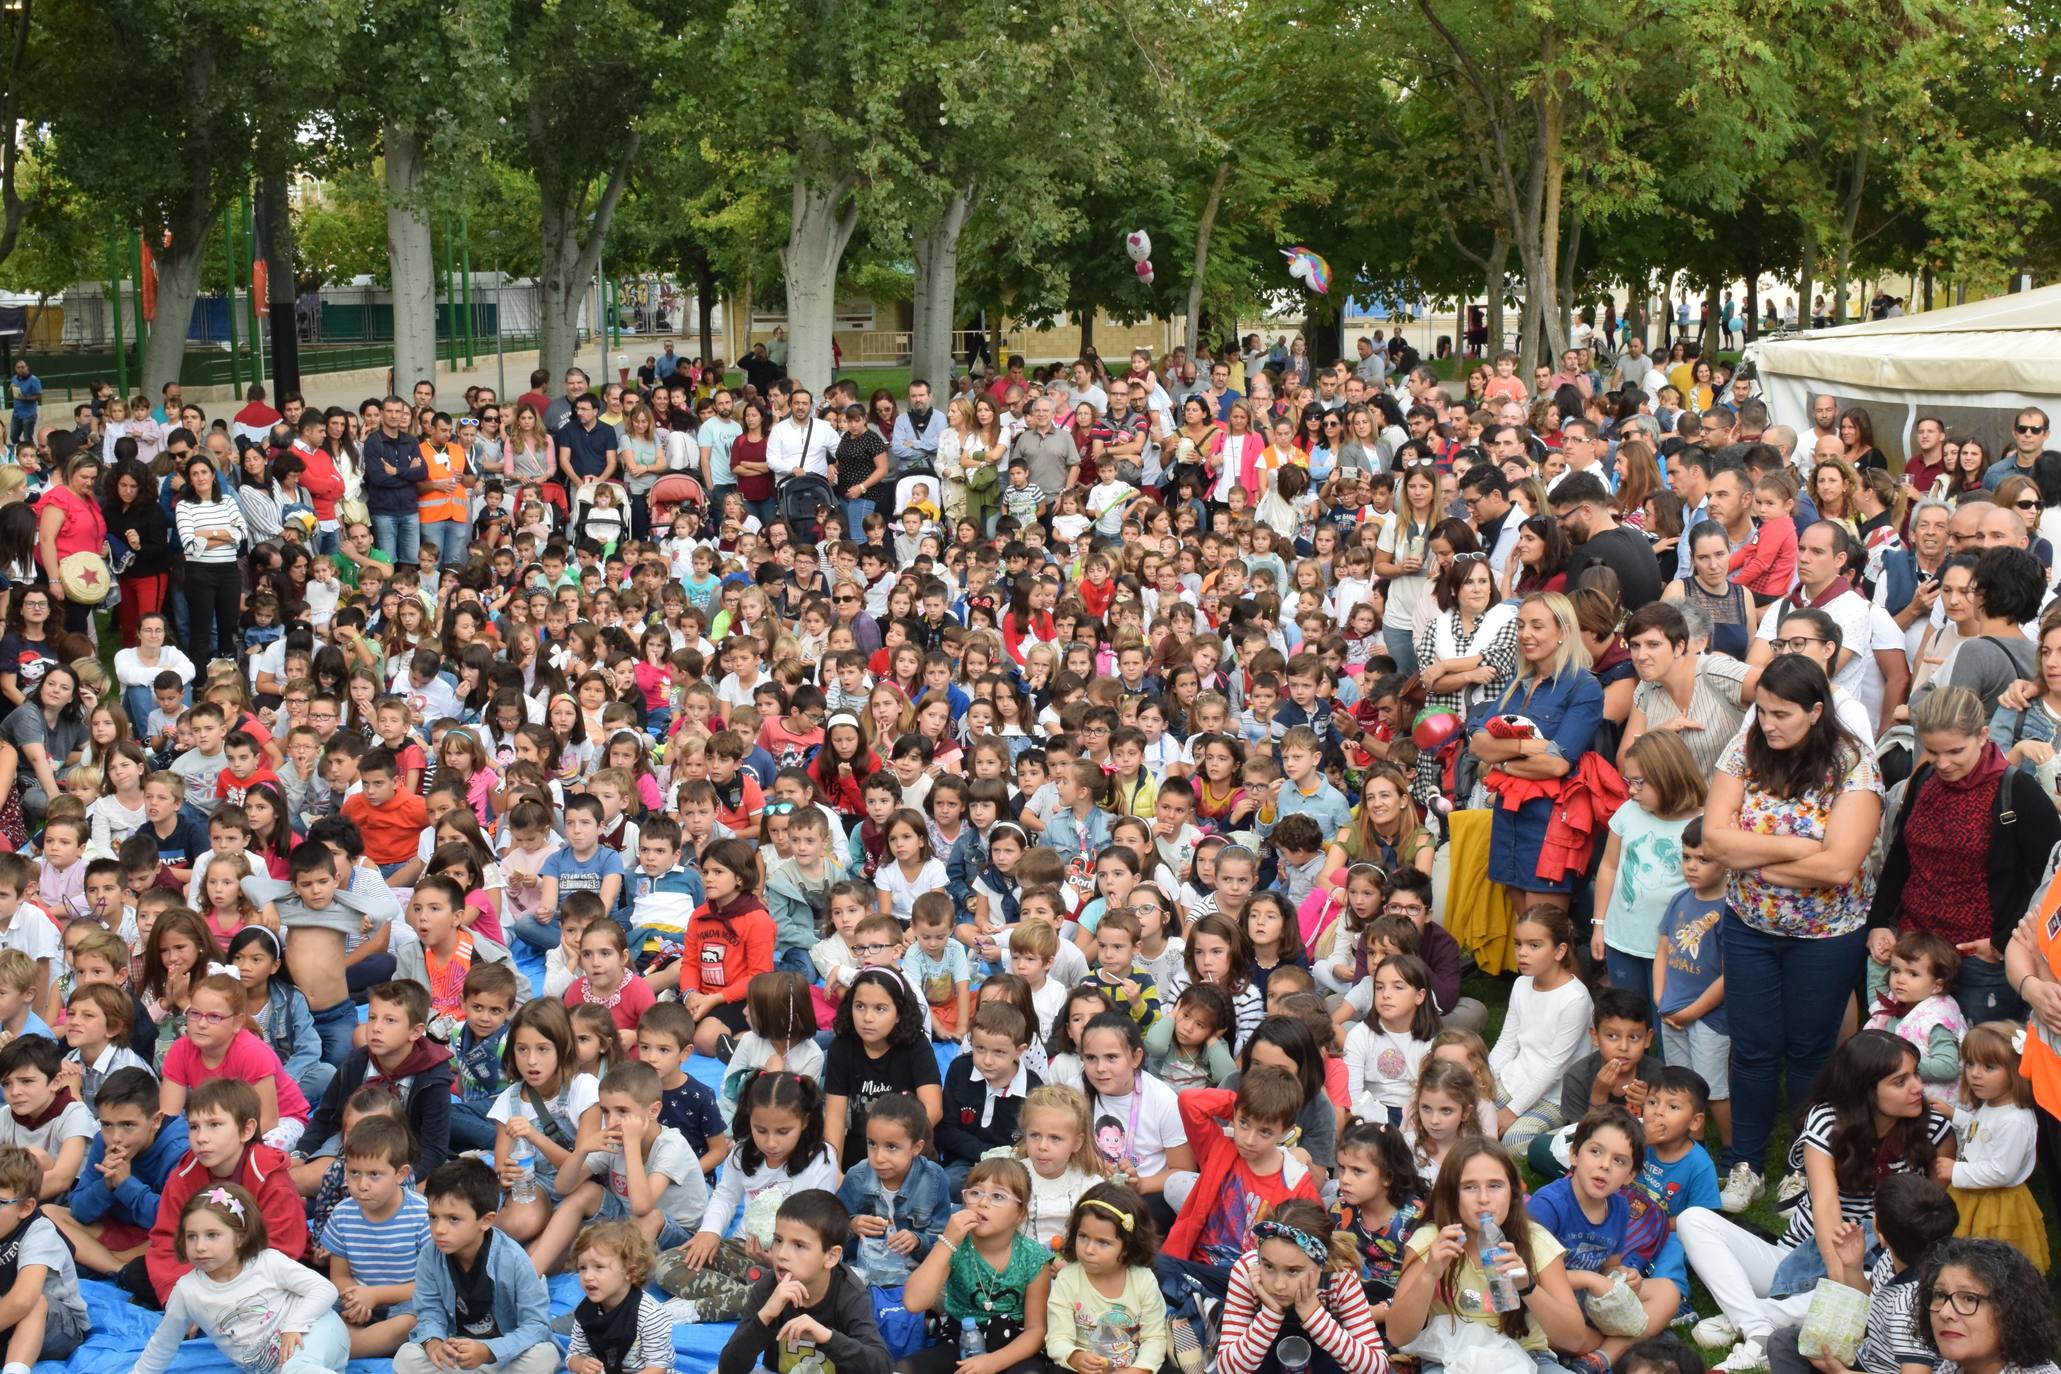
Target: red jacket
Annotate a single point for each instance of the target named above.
(320, 479)
(725, 952)
(1226, 1183)
(1589, 797)
(263, 1174)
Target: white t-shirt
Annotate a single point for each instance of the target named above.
(686, 1194)
(32, 933)
(73, 1123)
(1854, 614)
(1141, 1125)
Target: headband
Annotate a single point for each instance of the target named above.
(1123, 1218)
(222, 1197)
(1302, 1240)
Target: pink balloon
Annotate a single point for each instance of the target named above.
(1145, 272)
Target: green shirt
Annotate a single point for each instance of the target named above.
(974, 1289)
(347, 571)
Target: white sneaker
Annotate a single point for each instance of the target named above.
(1793, 1185)
(1742, 1188)
(683, 1312)
(1746, 1357)
(1715, 1333)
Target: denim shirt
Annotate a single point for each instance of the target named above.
(923, 1205)
(478, 1065)
(290, 1029)
(522, 1305)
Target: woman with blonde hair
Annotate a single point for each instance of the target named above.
(644, 462)
(951, 457)
(530, 446)
(1559, 706)
(1834, 485)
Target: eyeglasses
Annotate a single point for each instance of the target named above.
(856, 949)
(1633, 783)
(2028, 429)
(997, 1197)
(1797, 644)
(1964, 1302)
(208, 1018)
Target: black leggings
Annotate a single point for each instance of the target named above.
(214, 593)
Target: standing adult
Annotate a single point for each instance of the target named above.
(718, 431)
(319, 475)
(748, 464)
(1955, 864)
(1556, 692)
(1794, 808)
(917, 431)
(1044, 448)
(1588, 517)
(1467, 653)
(1821, 585)
(69, 521)
(1683, 688)
(1401, 555)
(644, 461)
(557, 413)
(803, 444)
(1728, 606)
(136, 517)
(2005, 590)
(45, 735)
(28, 404)
(393, 468)
(587, 452)
(2028, 440)
(211, 529)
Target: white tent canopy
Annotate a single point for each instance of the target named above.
(1974, 366)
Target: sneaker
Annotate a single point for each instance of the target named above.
(1794, 1185)
(681, 1311)
(1746, 1358)
(1595, 1362)
(1742, 1188)
(1715, 1333)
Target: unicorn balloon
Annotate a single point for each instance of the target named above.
(1307, 267)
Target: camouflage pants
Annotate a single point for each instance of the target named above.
(718, 1288)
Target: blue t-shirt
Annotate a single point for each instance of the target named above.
(691, 1110)
(1690, 941)
(187, 842)
(1690, 1181)
(1589, 1243)
(581, 875)
(28, 395)
(379, 1252)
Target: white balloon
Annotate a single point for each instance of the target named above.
(1138, 244)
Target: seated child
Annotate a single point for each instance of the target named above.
(813, 1308)
(397, 1052)
(374, 1237)
(1191, 1047)
(97, 1027)
(444, 951)
(614, 1260)
(897, 1195)
(1913, 1218)
(216, 1045)
(937, 965)
(780, 1152)
(782, 1017)
(476, 1061)
(664, 1038)
(984, 1091)
(1210, 1234)
(41, 1116)
(1617, 1069)
(372, 1100)
(1117, 971)
(479, 1302)
(989, 1272)
(45, 1314)
(646, 1173)
(1588, 1211)
(576, 913)
(278, 1010)
(609, 981)
(18, 992)
(114, 1203)
(1105, 1307)
(248, 1296)
(1298, 1251)
(222, 1148)
(1378, 1204)
(1917, 1004)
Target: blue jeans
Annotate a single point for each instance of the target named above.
(470, 1129)
(21, 429)
(761, 510)
(1630, 972)
(855, 513)
(399, 535)
(328, 542)
(1784, 999)
(1402, 647)
(325, 1349)
(795, 959)
(448, 538)
(336, 1025)
(542, 936)
(1985, 994)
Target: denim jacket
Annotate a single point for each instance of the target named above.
(290, 1029)
(922, 1206)
(522, 1305)
(2035, 722)
(964, 864)
(478, 1065)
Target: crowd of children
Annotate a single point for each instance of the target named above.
(965, 983)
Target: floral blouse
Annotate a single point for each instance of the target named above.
(1798, 912)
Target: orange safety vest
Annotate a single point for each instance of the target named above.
(2041, 1061)
(443, 464)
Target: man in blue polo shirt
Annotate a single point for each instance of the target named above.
(586, 446)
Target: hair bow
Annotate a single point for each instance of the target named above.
(222, 1197)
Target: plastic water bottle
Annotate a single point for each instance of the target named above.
(525, 1189)
(1502, 1288)
(973, 1342)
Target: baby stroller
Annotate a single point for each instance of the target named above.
(609, 527)
(671, 492)
(800, 503)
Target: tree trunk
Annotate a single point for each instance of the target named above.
(1713, 320)
(823, 216)
(1204, 227)
(937, 288)
(1497, 281)
(1804, 276)
(178, 284)
(1849, 221)
(705, 304)
(571, 235)
(1753, 301)
(275, 239)
(1568, 260)
(412, 259)
(1084, 320)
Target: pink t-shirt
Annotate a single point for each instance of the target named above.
(485, 919)
(249, 1058)
(633, 999)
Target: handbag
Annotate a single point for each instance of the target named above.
(983, 477)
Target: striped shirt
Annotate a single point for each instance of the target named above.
(654, 1345)
(1342, 1326)
(218, 514)
(379, 1252)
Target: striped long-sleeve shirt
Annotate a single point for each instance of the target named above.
(222, 513)
(1342, 1326)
